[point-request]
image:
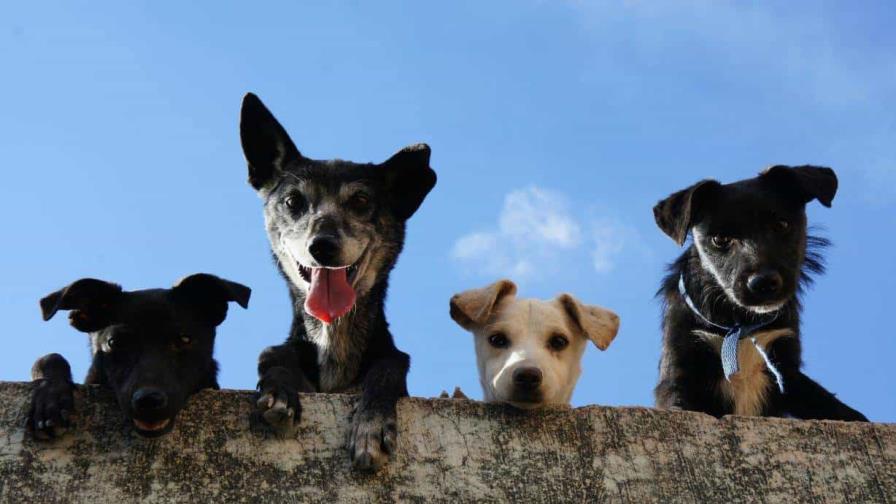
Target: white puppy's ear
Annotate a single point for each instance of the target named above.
(597, 324)
(472, 308)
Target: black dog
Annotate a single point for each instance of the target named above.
(336, 229)
(152, 348)
(732, 299)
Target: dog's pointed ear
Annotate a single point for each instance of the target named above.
(409, 179)
(806, 182)
(595, 323)
(472, 308)
(209, 295)
(675, 214)
(266, 144)
(93, 303)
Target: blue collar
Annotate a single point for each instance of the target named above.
(732, 336)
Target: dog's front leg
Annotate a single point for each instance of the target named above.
(687, 395)
(280, 379)
(52, 398)
(669, 395)
(373, 433)
(808, 400)
(684, 375)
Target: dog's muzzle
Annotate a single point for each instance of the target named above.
(526, 392)
(331, 291)
(150, 412)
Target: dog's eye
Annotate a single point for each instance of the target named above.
(558, 342)
(109, 345)
(498, 340)
(294, 201)
(359, 202)
(782, 226)
(184, 340)
(720, 242)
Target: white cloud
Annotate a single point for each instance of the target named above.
(609, 240)
(538, 233)
(535, 216)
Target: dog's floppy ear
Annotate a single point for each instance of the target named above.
(93, 303)
(266, 144)
(597, 324)
(472, 308)
(209, 295)
(409, 179)
(675, 214)
(808, 182)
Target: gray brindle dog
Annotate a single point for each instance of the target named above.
(336, 229)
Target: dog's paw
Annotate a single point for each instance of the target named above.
(850, 415)
(278, 403)
(457, 394)
(372, 438)
(52, 407)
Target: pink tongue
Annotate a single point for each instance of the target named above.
(330, 296)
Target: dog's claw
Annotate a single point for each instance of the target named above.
(265, 401)
(278, 415)
(279, 406)
(373, 438)
(51, 404)
(389, 438)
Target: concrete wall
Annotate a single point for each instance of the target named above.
(448, 451)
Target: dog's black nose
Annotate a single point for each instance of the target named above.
(148, 398)
(324, 249)
(765, 283)
(528, 378)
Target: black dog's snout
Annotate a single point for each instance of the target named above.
(527, 378)
(324, 249)
(148, 399)
(765, 283)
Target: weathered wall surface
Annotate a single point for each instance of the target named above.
(448, 451)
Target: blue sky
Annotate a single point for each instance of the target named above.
(555, 127)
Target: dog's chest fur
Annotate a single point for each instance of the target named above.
(749, 388)
(339, 352)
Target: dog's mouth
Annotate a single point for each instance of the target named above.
(526, 399)
(147, 428)
(526, 404)
(767, 308)
(350, 273)
(761, 304)
(331, 291)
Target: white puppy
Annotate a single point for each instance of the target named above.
(528, 351)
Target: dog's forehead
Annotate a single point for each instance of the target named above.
(154, 308)
(324, 179)
(149, 304)
(749, 202)
(759, 192)
(334, 172)
(532, 315)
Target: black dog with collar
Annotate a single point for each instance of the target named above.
(746, 267)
